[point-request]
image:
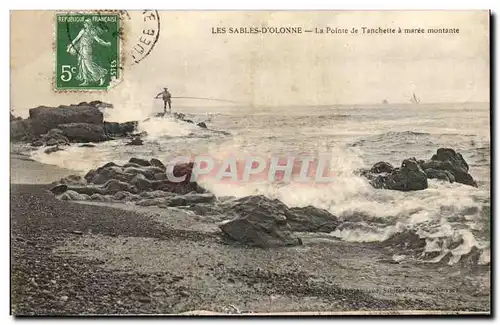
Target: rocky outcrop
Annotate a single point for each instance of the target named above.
(45, 118)
(255, 220)
(409, 177)
(135, 177)
(96, 103)
(311, 219)
(80, 122)
(157, 163)
(21, 129)
(14, 118)
(259, 222)
(135, 142)
(83, 132)
(53, 149)
(443, 175)
(77, 123)
(119, 129)
(446, 165)
(54, 137)
(182, 117)
(382, 167)
(447, 161)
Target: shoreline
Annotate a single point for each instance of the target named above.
(24, 170)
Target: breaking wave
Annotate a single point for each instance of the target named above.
(444, 213)
(446, 223)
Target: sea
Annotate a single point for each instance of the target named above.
(452, 218)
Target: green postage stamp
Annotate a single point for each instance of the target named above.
(87, 49)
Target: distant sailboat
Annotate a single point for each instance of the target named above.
(414, 99)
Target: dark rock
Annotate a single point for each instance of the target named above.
(53, 133)
(410, 177)
(104, 175)
(59, 189)
(202, 125)
(139, 161)
(136, 142)
(445, 165)
(125, 196)
(90, 175)
(185, 169)
(189, 121)
(149, 172)
(259, 222)
(37, 143)
(87, 145)
(382, 167)
(119, 129)
(183, 187)
(139, 177)
(55, 137)
(440, 174)
(157, 163)
(21, 129)
(127, 165)
(447, 159)
(179, 116)
(311, 219)
(50, 150)
(45, 118)
(160, 176)
(142, 183)
(54, 142)
(455, 159)
(110, 164)
(179, 188)
(83, 132)
(111, 187)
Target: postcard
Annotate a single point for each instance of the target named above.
(250, 162)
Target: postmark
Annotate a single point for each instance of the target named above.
(146, 35)
(88, 47)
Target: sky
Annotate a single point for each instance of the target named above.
(270, 70)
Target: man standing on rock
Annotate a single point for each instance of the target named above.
(166, 96)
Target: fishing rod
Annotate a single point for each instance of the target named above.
(206, 98)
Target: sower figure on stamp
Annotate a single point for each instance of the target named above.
(88, 69)
(167, 98)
